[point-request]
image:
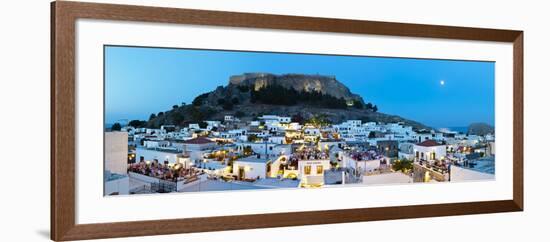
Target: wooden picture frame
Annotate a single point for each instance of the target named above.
(63, 18)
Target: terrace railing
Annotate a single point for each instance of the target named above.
(163, 187)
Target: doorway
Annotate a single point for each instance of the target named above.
(240, 175)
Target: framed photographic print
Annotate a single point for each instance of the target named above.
(170, 120)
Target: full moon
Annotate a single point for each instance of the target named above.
(442, 82)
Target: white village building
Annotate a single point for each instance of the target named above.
(250, 167)
(311, 172)
(274, 119)
(169, 156)
(265, 148)
(363, 166)
(429, 150)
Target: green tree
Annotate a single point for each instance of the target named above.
(136, 123)
(228, 106)
(402, 165)
(279, 95)
(116, 127)
(175, 106)
(203, 125)
(319, 120)
(372, 135)
(368, 106)
(199, 100)
(375, 109)
(247, 151)
(152, 116)
(357, 104)
(235, 101)
(177, 117)
(196, 114)
(252, 138)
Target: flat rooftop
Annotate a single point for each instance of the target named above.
(252, 159)
(169, 150)
(485, 165)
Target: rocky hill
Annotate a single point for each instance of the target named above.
(480, 129)
(309, 83)
(288, 89)
(299, 96)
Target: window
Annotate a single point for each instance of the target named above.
(319, 169)
(307, 170)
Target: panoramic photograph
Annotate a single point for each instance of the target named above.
(194, 120)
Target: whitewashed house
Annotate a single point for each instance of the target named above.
(311, 134)
(274, 119)
(429, 150)
(168, 128)
(274, 127)
(199, 143)
(406, 151)
(213, 124)
(362, 166)
(277, 139)
(194, 126)
(292, 126)
(161, 155)
(196, 147)
(250, 168)
(265, 148)
(154, 131)
(153, 144)
(311, 172)
(422, 136)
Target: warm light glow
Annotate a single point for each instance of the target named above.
(427, 177)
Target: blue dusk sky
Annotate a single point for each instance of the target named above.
(439, 93)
